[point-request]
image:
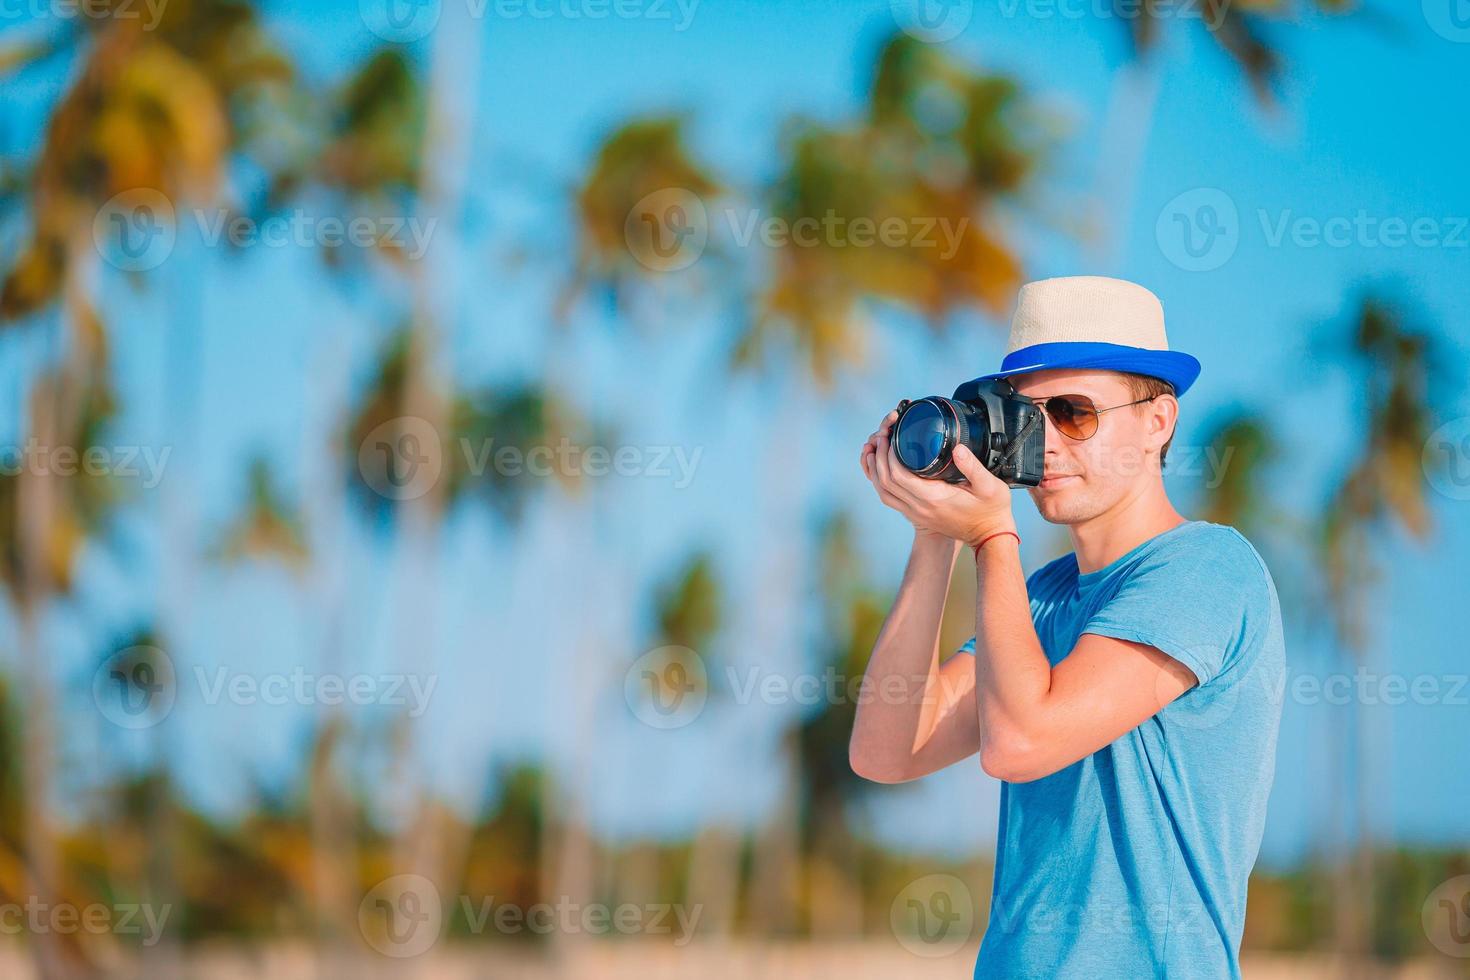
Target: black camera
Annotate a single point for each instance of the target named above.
(1003, 429)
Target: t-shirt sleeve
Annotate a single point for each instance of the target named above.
(1195, 600)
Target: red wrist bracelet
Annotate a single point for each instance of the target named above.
(996, 535)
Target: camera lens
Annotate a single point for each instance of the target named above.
(922, 434)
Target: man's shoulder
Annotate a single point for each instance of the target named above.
(1208, 545)
(1215, 561)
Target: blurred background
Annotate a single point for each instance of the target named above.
(433, 535)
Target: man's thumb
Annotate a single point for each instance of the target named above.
(966, 463)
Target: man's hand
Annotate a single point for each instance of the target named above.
(967, 512)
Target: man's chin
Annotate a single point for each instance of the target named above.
(1059, 505)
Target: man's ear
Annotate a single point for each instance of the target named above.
(1163, 418)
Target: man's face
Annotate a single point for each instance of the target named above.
(1085, 478)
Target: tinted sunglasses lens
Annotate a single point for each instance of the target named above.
(1074, 415)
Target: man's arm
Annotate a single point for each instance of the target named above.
(1035, 719)
(1032, 719)
(1029, 719)
(915, 716)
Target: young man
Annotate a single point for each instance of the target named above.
(1127, 694)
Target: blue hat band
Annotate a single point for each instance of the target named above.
(1175, 367)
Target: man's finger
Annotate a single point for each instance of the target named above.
(890, 467)
(883, 463)
(966, 462)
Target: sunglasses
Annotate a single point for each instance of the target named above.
(1075, 416)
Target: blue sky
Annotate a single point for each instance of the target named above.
(1368, 122)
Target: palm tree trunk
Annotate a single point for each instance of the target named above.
(37, 508)
(453, 69)
(1126, 127)
(42, 860)
(714, 878)
(776, 871)
(333, 834)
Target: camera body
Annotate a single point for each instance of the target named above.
(1004, 429)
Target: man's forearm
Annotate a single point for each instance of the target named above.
(1012, 674)
(898, 703)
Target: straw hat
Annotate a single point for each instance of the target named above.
(1093, 322)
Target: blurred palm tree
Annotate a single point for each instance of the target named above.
(1395, 369)
(144, 111)
(508, 844)
(1244, 447)
(639, 158)
(47, 514)
(941, 146)
(852, 614)
(320, 863)
(941, 149)
(266, 528)
(1236, 27)
(156, 110)
(689, 615)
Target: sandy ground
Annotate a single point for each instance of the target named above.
(632, 960)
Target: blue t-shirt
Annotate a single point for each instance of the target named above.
(1133, 861)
